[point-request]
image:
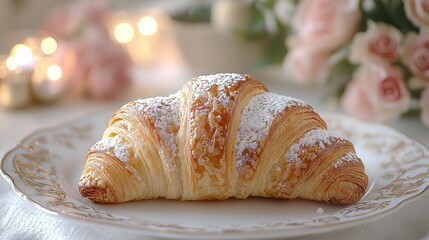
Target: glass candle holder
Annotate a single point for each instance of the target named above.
(15, 91)
(47, 84)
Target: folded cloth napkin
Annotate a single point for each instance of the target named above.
(22, 220)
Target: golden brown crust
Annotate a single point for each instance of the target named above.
(221, 136)
(209, 108)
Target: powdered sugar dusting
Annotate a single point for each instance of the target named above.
(165, 113)
(115, 146)
(320, 136)
(350, 157)
(210, 104)
(255, 122)
(222, 81)
(320, 210)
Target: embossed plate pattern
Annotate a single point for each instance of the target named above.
(44, 168)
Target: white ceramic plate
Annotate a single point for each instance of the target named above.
(45, 167)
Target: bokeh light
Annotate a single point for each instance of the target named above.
(11, 63)
(123, 32)
(148, 26)
(22, 54)
(54, 72)
(48, 45)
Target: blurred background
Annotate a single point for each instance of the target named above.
(105, 49)
(365, 58)
(17, 16)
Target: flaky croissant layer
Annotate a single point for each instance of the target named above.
(221, 136)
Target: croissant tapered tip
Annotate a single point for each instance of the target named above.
(345, 193)
(96, 190)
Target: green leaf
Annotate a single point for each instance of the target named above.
(342, 73)
(396, 11)
(274, 52)
(416, 93)
(391, 12)
(193, 14)
(412, 113)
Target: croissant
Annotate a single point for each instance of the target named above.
(221, 136)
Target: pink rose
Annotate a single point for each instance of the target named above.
(380, 43)
(95, 64)
(376, 93)
(416, 53)
(356, 102)
(67, 56)
(325, 24)
(107, 82)
(417, 11)
(109, 67)
(424, 104)
(306, 65)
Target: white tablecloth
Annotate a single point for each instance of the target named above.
(21, 220)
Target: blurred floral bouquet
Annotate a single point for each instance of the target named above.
(92, 62)
(379, 47)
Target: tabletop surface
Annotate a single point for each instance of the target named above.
(21, 220)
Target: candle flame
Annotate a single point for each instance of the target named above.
(48, 45)
(22, 54)
(147, 26)
(123, 32)
(54, 72)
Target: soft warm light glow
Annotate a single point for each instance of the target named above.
(22, 54)
(54, 72)
(11, 63)
(3, 71)
(48, 45)
(123, 32)
(148, 26)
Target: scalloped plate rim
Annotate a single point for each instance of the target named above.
(174, 233)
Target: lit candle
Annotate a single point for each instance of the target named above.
(149, 43)
(22, 57)
(15, 74)
(47, 84)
